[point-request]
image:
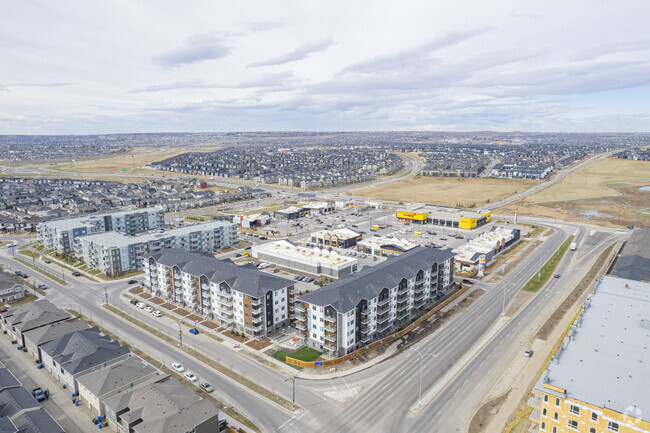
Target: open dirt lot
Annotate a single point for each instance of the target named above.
(448, 191)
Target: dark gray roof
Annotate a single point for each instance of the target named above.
(344, 294)
(634, 261)
(35, 314)
(6, 426)
(8, 281)
(244, 279)
(47, 333)
(15, 400)
(37, 421)
(114, 376)
(82, 350)
(7, 379)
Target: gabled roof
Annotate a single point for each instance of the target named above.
(47, 333)
(34, 315)
(344, 295)
(114, 376)
(243, 279)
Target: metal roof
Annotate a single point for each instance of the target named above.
(634, 261)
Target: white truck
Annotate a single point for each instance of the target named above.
(573, 246)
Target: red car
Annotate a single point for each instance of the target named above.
(466, 281)
(389, 225)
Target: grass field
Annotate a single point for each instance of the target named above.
(448, 191)
(545, 273)
(592, 180)
(305, 354)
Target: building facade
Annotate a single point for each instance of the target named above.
(349, 313)
(11, 288)
(237, 297)
(384, 246)
(341, 238)
(115, 253)
(454, 218)
(61, 235)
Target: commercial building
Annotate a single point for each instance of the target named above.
(11, 288)
(356, 310)
(252, 221)
(319, 207)
(634, 261)
(290, 213)
(161, 407)
(446, 217)
(61, 235)
(115, 253)
(238, 297)
(80, 352)
(483, 248)
(384, 246)
(341, 238)
(598, 380)
(311, 260)
(33, 315)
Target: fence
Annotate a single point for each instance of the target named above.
(388, 339)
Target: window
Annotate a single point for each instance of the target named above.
(543, 427)
(573, 424)
(592, 430)
(546, 398)
(314, 326)
(612, 426)
(544, 412)
(594, 416)
(575, 410)
(556, 416)
(557, 401)
(554, 429)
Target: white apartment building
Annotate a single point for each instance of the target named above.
(349, 313)
(114, 253)
(61, 235)
(237, 297)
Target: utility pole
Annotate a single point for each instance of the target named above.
(106, 294)
(62, 274)
(421, 355)
(180, 332)
(293, 389)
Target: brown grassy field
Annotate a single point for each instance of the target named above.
(592, 180)
(448, 191)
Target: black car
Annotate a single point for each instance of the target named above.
(132, 282)
(133, 302)
(76, 274)
(237, 255)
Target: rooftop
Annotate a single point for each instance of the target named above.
(379, 241)
(344, 233)
(114, 376)
(607, 361)
(34, 315)
(634, 261)
(286, 249)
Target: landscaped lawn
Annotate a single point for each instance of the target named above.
(305, 354)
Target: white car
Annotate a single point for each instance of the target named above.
(157, 313)
(140, 305)
(190, 376)
(178, 367)
(148, 309)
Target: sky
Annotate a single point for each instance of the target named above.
(91, 67)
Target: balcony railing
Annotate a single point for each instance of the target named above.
(365, 321)
(300, 308)
(301, 317)
(224, 318)
(382, 319)
(224, 312)
(403, 315)
(301, 326)
(384, 327)
(367, 339)
(330, 319)
(225, 294)
(365, 330)
(259, 319)
(256, 302)
(329, 337)
(365, 312)
(330, 328)
(420, 296)
(383, 302)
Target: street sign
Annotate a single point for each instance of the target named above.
(318, 363)
(124, 169)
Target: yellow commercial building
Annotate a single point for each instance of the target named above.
(447, 217)
(598, 381)
(411, 216)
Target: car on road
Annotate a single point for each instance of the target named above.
(38, 394)
(194, 331)
(133, 302)
(148, 309)
(178, 367)
(76, 274)
(132, 282)
(556, 276)
(466, 281)
(528, 353)
(140, 305)
(237, 255)
(190, 376)
(157, 313)
(48, 261)
(42, 286)
(374, 259)
(207, 387)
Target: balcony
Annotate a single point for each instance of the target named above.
(402, 296)
(330, 319)
(257, 328)
(330, 328)
(403, 289)
(403, 315)
(364, 312)
(224, 312)
(365, 330)
(300, 308)
(225, 295)
(225, 301)
(224, 319)
(420, 296)
(293, 291)
(382, 319)
(329, 337)
(365, 321)
(383, 302)
(256, 311)
(385, 327)
(259, 319)
(367, 339)
(301, 326)
(256, 302)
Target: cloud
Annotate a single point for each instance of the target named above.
(195, 49)
(299, 53)
(279, 79)
(192, 84)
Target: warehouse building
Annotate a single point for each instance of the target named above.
(115, 253)
(482, 249)
(384, 246)
(450, 217)
(359, 309)
(314, 261)
(341, 238)
(291, 213)
(61, 235)
(597, 381)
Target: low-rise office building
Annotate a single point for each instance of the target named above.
(482, 249)
(11, 288)
(597, 382)
(238, 297)
(450, 217)
(115, 253)
(341, 238)
(384, 246)
(61, 235)
(34, 315)
(252, 221)
(353, 311)
(311, 260)
(290, 213)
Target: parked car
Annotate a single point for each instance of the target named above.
(237, 255)
(374, 259)
(178, 367)
(48, 261)
(207, 387)
(148, 309)
(556, 276)
(132, 282)
(38, 394)
(76, 274)
(194, 331)
(528, 353)
(42, 286)
(133, 302)
(157, 313)
(140, 305)
(466, 281)
(190, 376)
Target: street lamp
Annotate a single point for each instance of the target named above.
(421, 355)
(180, 332)
(293, 389)
(106, 294)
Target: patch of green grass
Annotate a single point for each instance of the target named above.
(546, 271)
(306, 354)
(47, 274)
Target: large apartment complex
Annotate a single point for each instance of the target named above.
(353, 311)
(238, 297)
(61, 235)
(114, 253)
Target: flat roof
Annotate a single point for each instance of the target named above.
(288, 250)
(378, 241)
(116, 239)
(447, 212)
(634, 261)
(343, 233)
(484, 243)
(86, 220)
(607, 361)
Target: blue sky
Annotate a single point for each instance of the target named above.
(102, 67)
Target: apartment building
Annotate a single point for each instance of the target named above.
(597, 382)
(237, 297)
(115, 253)
(351, 312)
(61, 235)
